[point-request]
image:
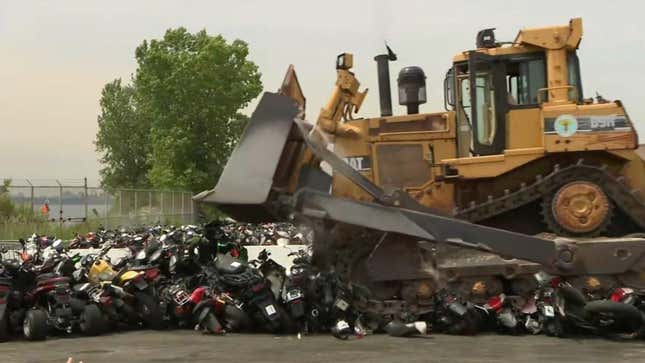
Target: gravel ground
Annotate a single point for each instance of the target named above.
(188, 346)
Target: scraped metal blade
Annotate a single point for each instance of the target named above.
(247, 178)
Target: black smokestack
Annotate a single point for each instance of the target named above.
(383, 69)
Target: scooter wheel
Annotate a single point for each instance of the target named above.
(35, 324)
(236, 320)
(287, 324)
(554, 328)
(149, 311)
(4, 326)
(212, 325)
(92, 320)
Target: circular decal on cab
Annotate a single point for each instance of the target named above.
(565, 125)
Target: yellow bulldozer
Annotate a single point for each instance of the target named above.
(403, 205)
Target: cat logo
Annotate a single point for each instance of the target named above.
(359, 163)
(565, 125)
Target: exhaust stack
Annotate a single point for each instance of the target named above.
(384, 90)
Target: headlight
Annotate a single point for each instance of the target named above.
(141, 255)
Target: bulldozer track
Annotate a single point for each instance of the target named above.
(625, 199)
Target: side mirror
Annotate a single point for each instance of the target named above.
(449, 89)
(263, 255)
(58, 245)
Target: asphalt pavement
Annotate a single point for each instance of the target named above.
(189, 346)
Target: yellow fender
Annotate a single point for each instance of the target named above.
(129, 275)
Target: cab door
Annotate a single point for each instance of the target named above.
(487, 83)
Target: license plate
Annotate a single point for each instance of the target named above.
(341, 304)
(293, 294)
(548, 311)
(270, 310)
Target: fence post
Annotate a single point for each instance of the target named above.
(60, 203)
(136, 202)
(107, 221)
(31, 195)
(149, 207)
(161, 207)
(172, 203)
(183, 214)
(85, 196)
(193, 212)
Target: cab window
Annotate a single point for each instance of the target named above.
(485, 103)
(574, 77)
(524, 79)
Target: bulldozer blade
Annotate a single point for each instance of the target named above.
(244, 187)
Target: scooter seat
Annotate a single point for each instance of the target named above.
(51, 279)
(46, 276)
(6, 281)
(140, 268)
(228, 265)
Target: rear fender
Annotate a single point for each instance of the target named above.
(268, 308)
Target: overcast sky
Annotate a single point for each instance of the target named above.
(55, 56)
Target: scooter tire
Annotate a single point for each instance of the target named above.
(4, 326)
(34, 327)
(236, 320)
(287, 324)
(92, 320)
(212, 325)
(149, 311)
(554, 328)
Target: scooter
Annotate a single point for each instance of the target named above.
(254, 293)
(200, 307)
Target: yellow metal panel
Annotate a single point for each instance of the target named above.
(598, 109)
(524, 128)
(634, 170)
(583, 141)
(494, 165)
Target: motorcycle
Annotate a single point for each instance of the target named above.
(455, 316)
(11, 310)
(294, 290)
(254, 293)
(200, 307)
(125, 296)
(504, 311)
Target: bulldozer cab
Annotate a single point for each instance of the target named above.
(490, 87)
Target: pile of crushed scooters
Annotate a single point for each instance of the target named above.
(200, 277)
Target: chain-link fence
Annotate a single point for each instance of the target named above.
(66, 203)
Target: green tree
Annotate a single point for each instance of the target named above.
(186, 95)
(123, 138)
(6, 205)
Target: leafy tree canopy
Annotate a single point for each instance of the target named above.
(176, 124)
